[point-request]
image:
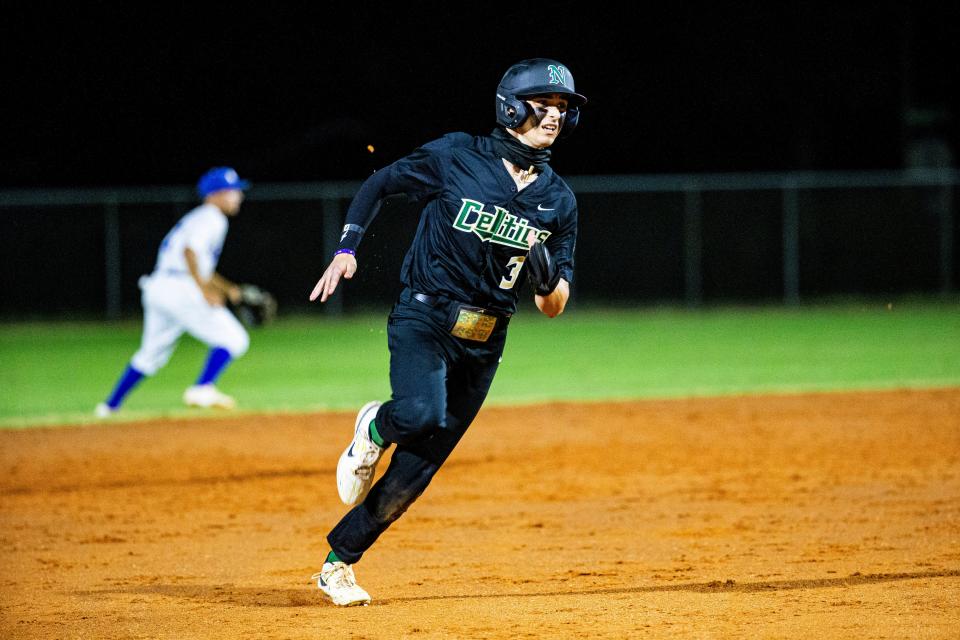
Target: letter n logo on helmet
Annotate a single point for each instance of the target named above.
(558, 75)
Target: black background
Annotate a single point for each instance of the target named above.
(113, 94)
(110, 94)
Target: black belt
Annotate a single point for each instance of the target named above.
(428, 300)
(433, 301)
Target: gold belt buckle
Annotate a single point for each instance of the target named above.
(474, 323)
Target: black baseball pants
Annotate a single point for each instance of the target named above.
(439, 383)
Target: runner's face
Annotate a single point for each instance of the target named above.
(543, 126)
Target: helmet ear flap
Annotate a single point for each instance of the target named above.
(511, 112)
(570, 120)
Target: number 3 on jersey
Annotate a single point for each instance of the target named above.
(513, 268)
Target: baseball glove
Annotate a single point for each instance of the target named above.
(542, 271)
(256, 306)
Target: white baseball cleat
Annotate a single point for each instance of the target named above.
(358, 463)
(336, 579)
(207, 396)
(103, 411)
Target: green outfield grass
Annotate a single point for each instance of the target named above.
(55, 373)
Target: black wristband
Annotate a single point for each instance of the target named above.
(351, 237)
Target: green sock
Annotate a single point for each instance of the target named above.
(332, 557)
(375, 435)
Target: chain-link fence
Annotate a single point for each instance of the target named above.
(689, 239)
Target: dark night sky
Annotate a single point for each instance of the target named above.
(109, 94)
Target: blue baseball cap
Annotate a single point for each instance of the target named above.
(218, 179)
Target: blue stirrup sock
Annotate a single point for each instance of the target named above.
(125, 385)
(217, 361)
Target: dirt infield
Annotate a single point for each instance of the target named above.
(828, 516)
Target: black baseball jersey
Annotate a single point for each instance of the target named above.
(471, 242)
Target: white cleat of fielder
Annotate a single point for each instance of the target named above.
(103, 411)
(207, 396)
(358, 463)
(336, 579)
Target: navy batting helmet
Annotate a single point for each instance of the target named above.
(534, 77)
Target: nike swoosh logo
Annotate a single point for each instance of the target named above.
(540, 208)
(323, 582)
(350, 451)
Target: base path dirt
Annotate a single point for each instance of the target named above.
(809, 516)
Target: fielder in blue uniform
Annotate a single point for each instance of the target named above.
(185, 294)
(493, 212)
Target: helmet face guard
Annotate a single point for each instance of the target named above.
(536, 77)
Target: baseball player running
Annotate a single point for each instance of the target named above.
(186, 294)
(493, 209)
